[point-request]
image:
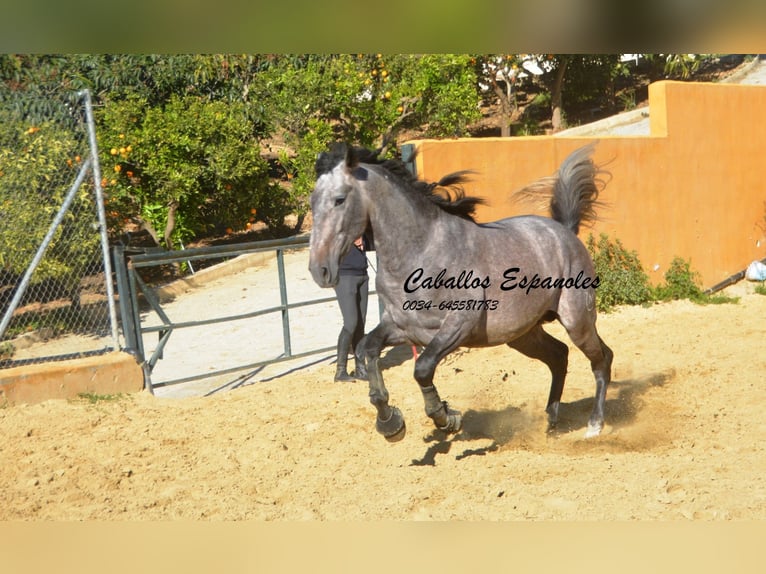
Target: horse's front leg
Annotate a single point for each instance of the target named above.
(390, 421)
(446, 340)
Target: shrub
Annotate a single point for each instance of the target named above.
(622, 278)
(188, 166)
(624, 282)
(38, 165)
(681, 282)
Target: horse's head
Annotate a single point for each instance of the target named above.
(339, 211)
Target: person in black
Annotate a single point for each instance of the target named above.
(351, 292)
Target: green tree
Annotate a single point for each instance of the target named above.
(187, 167)
(581, 78)
(501, 73)
(38, 164)
(365, 99)
(169, 108)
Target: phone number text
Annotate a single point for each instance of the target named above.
(451, 305)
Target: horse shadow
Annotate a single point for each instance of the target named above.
(511, 423)
(396, 356)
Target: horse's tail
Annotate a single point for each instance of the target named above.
(575, 192)
(572, 193)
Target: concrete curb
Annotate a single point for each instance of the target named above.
(740, 74)
(110, 374)
(601, 126)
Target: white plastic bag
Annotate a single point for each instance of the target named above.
(756, 271)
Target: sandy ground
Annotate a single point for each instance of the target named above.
(685, 439)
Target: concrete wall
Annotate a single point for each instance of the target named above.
(109, 374)
(693, 188)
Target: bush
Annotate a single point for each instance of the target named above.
(624, 282)
(38, 165)
(622, 278)
(189, 167)
(680, 283)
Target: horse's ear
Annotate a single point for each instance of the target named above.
(352, 159)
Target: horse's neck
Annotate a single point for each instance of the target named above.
(406, 239)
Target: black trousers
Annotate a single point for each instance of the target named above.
(351, 292)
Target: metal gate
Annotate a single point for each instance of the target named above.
(137, 295)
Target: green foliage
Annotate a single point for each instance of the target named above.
(760, 289)
(7, 350)
(192, 161)
(682, 65)
(196, 122)
(440, 90)
(680, 282)
(317, 99)
(589, 78)
(300, 166)
(38, 165)
(364, 96)
(95, 398)
(622, 278)
(624, 282)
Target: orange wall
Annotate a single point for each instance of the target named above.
(694, 188)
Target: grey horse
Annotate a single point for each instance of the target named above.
(446, 281)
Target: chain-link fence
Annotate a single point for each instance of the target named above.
(56, 295)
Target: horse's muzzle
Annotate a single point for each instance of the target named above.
(323, 275)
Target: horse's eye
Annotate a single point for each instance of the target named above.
(339, 200)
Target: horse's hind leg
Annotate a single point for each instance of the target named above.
(600, 356)
(601, 365)
(537, 344)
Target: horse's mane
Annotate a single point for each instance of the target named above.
(446, 193)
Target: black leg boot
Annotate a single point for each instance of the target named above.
(341, 374)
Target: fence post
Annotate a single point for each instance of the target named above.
(126, 307)
(283, 300)
(85, 94)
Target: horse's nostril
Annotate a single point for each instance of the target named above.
(321, 275)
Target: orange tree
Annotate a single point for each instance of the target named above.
(38, 164)
(178, 136)
(181, 135)
(188, 167)
(364, 99)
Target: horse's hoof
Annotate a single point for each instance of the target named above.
(392, 429)
(593, 430)
(399, 435)
(454, 422)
